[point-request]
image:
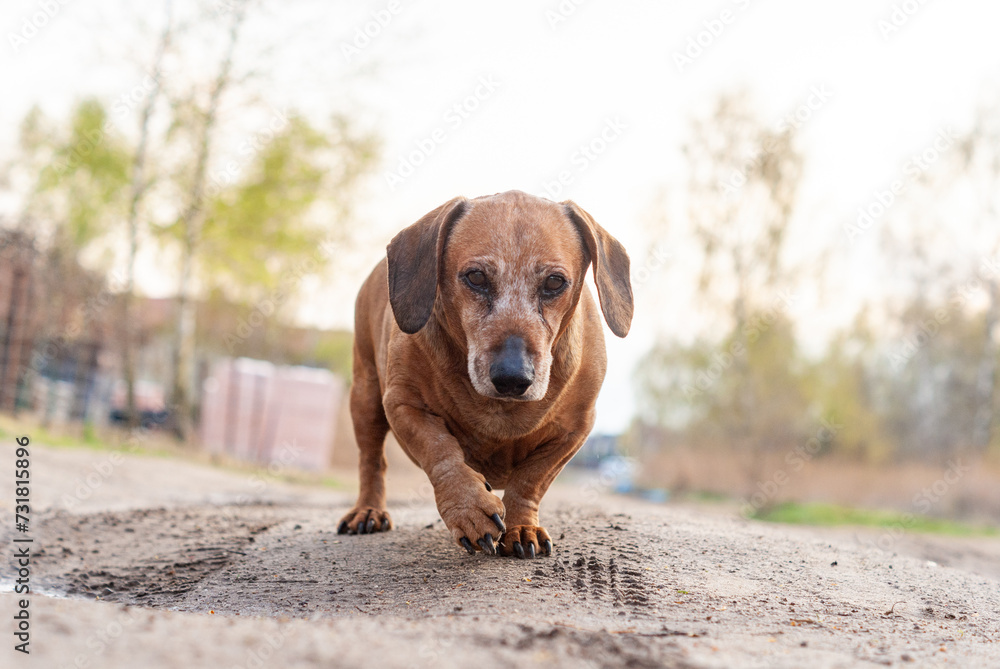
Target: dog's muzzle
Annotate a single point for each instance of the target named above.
(512, 372)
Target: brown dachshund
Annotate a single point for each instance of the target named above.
(478, 344)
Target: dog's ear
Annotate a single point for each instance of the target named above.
(611, 269)
(414, 256)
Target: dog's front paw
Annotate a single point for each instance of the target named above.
(365, 520)
(473, 514)
(526, 541)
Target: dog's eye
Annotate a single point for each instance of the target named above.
(476, 279)
(554, 284)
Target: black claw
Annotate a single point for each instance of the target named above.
(499, 522)
(467, 545)
(531, 550)
(548, 547)
(385, 526)
(371, 526)
(361, 527)
(343, 528)
(519, 549)
(489, 488)
(486, 543)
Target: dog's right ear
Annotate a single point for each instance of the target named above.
(611, 269)
(414, 257)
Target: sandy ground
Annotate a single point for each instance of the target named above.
(150, 562)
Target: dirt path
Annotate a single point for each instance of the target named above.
(173, 564)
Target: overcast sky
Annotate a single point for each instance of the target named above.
(873, 82)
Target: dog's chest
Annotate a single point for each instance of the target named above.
(500, 424)
(498, 439)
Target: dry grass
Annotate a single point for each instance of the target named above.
(941, 490)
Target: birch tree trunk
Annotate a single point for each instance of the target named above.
(191, 221)
(137, 191)
(986, 378)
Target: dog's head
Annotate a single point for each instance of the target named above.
(504, 274)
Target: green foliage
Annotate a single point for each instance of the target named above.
(335, 351)
(266, 220)
(749, 388)
(930, 380)
(924, 387)
(834, 515)
(256, 232)
(743, 184)
(844, 384)
(82, 186)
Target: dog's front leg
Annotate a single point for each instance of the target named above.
(526, 485)
(471, 512)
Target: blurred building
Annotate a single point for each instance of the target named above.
(61, 344)
(257, 411)
(18, 327)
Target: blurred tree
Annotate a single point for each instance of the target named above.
(258, 231)
(955, 271)
(139, 185)
(82, 173)
(931, 380)
(979, 164)
(251, 234)
(698, 391)
(201, 121)
(73, 203)
(742, 188)
(848, 387)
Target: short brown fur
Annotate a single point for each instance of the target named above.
(425, 340)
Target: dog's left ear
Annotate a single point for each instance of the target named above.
(414, 257)
(611, 269)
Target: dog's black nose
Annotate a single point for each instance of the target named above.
(512, 372)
